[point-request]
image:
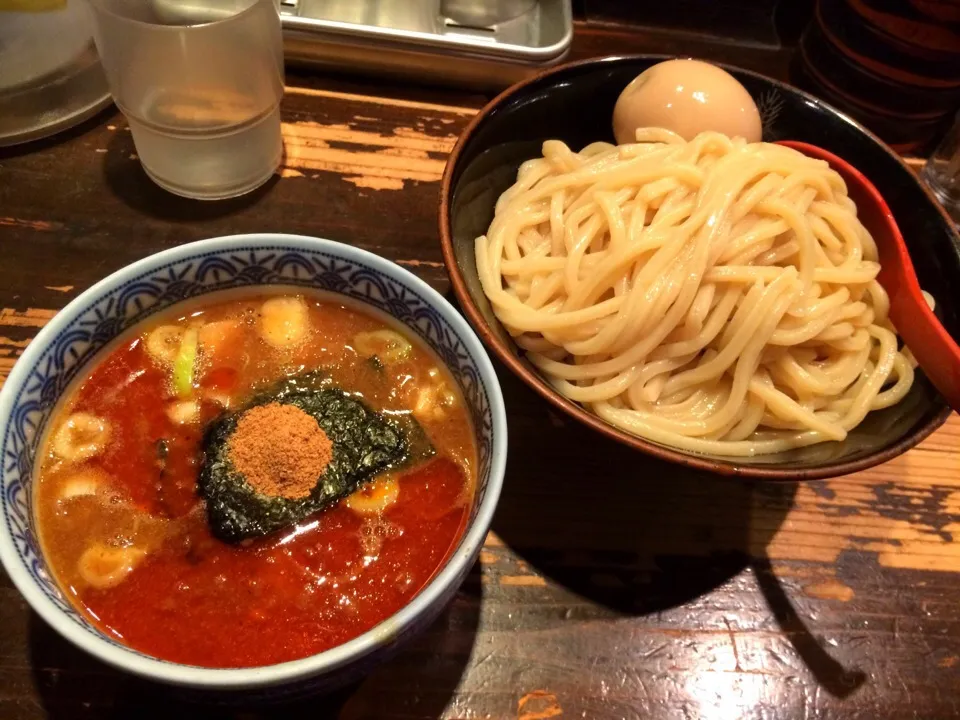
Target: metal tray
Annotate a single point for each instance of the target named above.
(415, 39)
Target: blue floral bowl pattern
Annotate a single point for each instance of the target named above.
(68, 344)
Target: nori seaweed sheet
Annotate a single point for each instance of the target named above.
(365, 443)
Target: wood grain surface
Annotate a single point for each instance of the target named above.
(611, 585)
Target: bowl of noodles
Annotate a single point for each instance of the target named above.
(707, 300)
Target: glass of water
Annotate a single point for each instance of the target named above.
(200, 83)
(942, 171)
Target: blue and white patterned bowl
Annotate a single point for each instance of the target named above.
(69, 344)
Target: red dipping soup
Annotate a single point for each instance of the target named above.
(126, 533)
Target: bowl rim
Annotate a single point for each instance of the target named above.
(129, 660)
(516, 364)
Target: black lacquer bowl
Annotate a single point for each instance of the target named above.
(574, 103)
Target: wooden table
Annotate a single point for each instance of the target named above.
(670, 595)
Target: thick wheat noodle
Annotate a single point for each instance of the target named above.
(713, 295)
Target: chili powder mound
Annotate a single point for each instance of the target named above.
(280, 450)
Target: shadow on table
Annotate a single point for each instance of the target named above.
(835, 679)
(418, 683)
(625, 530)
(127, 180)
(638, 535)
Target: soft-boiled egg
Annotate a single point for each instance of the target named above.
(687, 97)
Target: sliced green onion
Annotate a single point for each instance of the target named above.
(183, 366)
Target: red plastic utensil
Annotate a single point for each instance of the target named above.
(930, 343)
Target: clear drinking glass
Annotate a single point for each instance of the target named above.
(200, 83)
(942, 171)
